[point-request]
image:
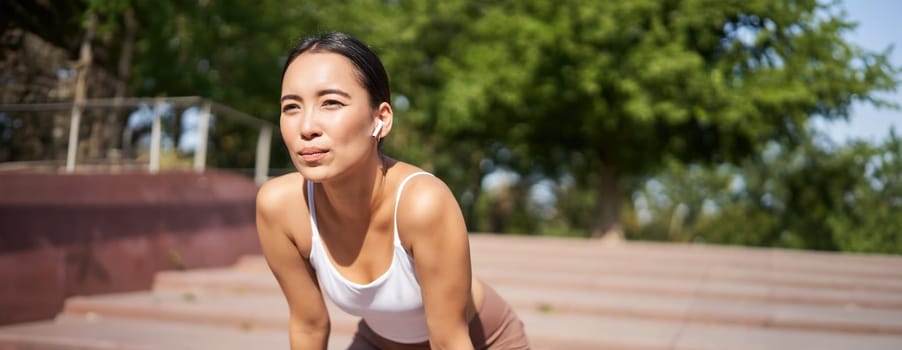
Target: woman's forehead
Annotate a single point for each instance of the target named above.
(315, 69)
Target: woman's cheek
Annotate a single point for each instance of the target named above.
(288, 127)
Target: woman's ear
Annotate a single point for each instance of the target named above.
(384, 120)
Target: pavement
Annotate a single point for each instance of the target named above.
(570, 293)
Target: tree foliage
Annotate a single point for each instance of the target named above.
(625, 86)
(815, 196)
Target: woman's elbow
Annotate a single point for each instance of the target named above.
(309, 333)
(451, 340)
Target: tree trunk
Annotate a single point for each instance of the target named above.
(469, 209)
(475, 187)
(83, 66)
(105, 140)
(607, 211)
(116, 119)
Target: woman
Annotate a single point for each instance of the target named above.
(381, 238)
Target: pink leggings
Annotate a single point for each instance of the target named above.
(495, 327)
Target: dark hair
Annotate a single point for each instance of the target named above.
(369, 68)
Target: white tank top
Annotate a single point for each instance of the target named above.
(391, 305)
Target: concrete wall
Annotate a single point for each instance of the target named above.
(64, 235)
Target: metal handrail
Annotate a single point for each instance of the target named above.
(97, 102)
(134, 101)
(264, 139)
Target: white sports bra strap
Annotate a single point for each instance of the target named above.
(398, 200)
(311, 205)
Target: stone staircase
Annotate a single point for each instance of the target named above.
(570, 293)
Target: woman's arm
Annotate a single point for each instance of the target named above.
(435, 228)
(309, 320)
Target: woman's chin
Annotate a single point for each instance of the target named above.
(313, 174)
(322, 173)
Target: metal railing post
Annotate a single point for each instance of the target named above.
(261, 165)
(156, 137)
(72, 150)
(203, 132)
(85, 57)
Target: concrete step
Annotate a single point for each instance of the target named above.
(605, 265)
(94, 332)
(767, 267)
(705, 288)
(705, 337)
(548, 328)
(236, 310)
(215, 308)
(538, 248)
(603, 332)
(229, 302)
(250, 275)
(222, 279)
(89, 332)
(704, 311)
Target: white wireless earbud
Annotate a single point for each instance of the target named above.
(378, 128)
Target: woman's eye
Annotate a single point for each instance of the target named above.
(289, 108)
(332, 104)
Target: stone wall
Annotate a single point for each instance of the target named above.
(65, 235)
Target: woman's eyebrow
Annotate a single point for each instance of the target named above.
(320, 93)
(333, 91)
(290, 97)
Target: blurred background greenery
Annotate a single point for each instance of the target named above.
(686, 121)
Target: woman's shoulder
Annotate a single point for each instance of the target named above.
(281, 198)
(280, 190)
(427, 212)
(423, 198)
(281, 207)
(418, 184)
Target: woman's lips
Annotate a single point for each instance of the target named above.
(311, 155)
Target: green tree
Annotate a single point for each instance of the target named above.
(872, 222)
(627, 85)
(814, 196)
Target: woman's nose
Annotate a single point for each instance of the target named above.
(309, 128)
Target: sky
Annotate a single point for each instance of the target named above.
(878, 28)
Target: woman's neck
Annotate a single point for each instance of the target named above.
(358, 194)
